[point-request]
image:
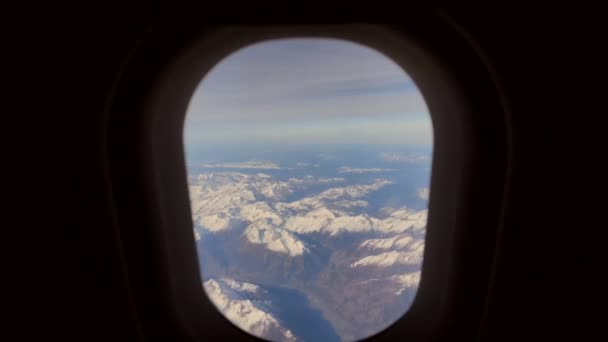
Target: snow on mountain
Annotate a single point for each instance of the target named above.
(274, 238)
(354, 191)
(406, 281)
(323, 213)
(241, 285)
(344, 204)
(334, 222)
(214, 199)
(395, 242)
(222, 201)
(403, 219)
(244, 305)
(411, 256)
(217, 197)
(326, 221)
(402, 281)
(259, 211)
(267, 187)
(218, 200)
(389, 245)
(346, 196)
(359, 223)
(313, 221)
(215, 222)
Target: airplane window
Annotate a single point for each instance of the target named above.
(309, 164)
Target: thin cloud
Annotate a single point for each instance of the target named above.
(261, 165)
(348, 169)
(308, 90)
(396, 157)
(423, 193)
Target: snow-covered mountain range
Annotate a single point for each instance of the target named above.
(246, 305)
(313, 234)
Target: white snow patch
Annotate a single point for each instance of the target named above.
(241, 304)
(274, 238)
(407, 281)
(395, 242)
(413, 256)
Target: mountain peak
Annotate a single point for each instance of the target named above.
(242, 304)
(274, 238)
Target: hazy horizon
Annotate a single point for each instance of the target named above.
(302, 90)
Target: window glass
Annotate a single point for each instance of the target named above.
(309, 164)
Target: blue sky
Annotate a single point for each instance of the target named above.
(307, 91)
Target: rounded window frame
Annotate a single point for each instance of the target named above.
(159, 123)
